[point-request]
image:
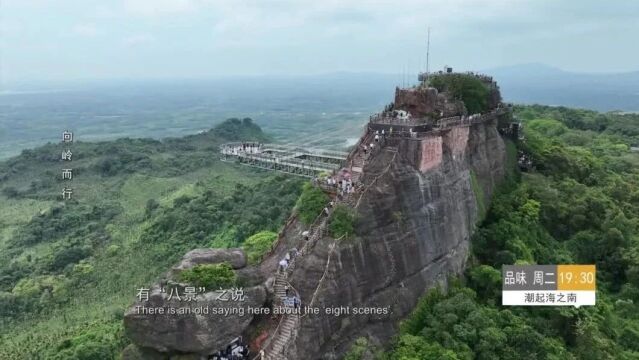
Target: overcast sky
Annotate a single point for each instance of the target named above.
(86, 39)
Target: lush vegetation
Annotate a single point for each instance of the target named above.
(211, 220)
(69, 270)
(464, 87)
(210, 276)
(257, 245)
(580, 205)
(342, 222)
(360, 349)
(311, 203)
(236, 129)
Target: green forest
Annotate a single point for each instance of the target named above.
(578, 205)
(68, 270)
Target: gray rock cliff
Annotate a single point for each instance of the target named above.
(415, 220)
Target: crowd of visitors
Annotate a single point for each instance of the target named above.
(343, 185)
(247, 147)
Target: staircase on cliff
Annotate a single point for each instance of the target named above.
(359, 157)
(289, 323)
(288, 326)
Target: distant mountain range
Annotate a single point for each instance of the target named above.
(542, 84)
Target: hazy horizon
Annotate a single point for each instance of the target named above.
(9, 87)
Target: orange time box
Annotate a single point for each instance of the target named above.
(576, 277)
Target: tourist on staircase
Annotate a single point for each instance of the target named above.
(283, 265)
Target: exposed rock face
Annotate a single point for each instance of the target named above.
(424, 101)
(414, 227)
(235, 257)
(190, 333)
(194, 332)
(418, 101)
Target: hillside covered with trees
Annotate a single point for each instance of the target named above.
(68, 270)
(579, 204)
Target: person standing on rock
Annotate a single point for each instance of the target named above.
(286, 290)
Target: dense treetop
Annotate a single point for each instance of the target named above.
(464, 87)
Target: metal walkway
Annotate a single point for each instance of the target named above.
(306, 162)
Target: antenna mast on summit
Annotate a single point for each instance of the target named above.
(428, 53)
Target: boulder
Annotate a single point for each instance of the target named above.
(235, 257)
(419, 102)
(197, 331)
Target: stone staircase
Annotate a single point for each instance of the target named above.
(289, 323)
(359, 158)
(280, 285)
(358, 167)
(288, 327)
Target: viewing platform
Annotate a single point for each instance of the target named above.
(414, 127)
(306, 162)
